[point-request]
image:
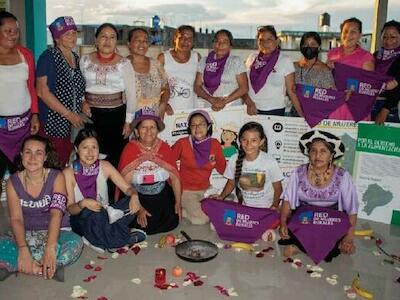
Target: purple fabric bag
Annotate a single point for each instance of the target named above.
(317, 103)
(239, 223)
(318, 229)
(13, 131)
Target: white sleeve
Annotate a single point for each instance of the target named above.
(128, 75)
(230, 168)
(239, 65)
(276, 172)
(287, 65)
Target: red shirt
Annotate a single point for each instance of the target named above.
(192, 177)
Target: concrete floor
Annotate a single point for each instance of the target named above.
(252, 277)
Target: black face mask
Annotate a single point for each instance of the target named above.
(309, 52)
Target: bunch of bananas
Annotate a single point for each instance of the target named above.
(359, 290)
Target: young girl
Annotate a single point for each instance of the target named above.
(255, 174)
(88, 205)
(37, 203)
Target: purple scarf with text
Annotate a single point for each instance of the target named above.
(317, 103)
(201, 150)
(261, 68)
(86, 178)
(366, 87)
(318, 229)
(13, 131)
(384, 59)
(239, 223)
(213, 72)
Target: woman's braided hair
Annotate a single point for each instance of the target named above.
(250, 126)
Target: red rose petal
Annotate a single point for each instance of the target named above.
(198, 283)
(290, 260)
(135, 249)
(260, 254)
(298, 263)
(102, 298)
(97, 269)
(267, 249)
(227, 246)
(102, 257)
(379, 242)
(121, 251)
(88, 267)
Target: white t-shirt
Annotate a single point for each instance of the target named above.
(181, 78)
(234, 66)
(256, 179)
(272, 94)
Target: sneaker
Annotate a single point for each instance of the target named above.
(87, 243)
(136, 236)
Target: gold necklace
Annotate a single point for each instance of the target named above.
(319, 179)
(27, 178)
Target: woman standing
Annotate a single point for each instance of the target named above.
(149, 165)
(221, 77)
(388, 62)
(37, 202)
(110, 109)
(199, 155)
(151, 82)
(350, 53)
(60, 86)
(18, 107)
(271, 76)
(180, 64)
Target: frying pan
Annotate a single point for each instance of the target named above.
(195, 250)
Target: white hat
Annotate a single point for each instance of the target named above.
(335, 142)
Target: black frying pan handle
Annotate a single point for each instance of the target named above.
(186, 235)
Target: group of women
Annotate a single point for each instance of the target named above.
(94, 104)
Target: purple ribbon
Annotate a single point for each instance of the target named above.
(317, 103)
(213, 72)
(201, 150)
(384, 59)
(86, 178)
(261, 68)
(239, 223)
(318, 229)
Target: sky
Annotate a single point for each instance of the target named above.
(240, 16)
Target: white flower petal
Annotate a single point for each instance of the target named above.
(136, 280)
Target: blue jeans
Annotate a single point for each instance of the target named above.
(393, 113)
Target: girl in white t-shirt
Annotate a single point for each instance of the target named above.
(254, 173)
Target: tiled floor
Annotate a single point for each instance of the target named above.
(252, 277)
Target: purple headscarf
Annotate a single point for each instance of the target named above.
(213, 71)
(86, 178)
(261, 68)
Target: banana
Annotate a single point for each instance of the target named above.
(162, 242)
(244, 246)
(364, 232)
(359, 290)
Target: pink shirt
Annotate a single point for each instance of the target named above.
(355, 59)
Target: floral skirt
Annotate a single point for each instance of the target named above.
(69, 248)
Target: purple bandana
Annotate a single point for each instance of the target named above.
(261, 68)
(366, 87)
(318, 229)
(239, 223)
(213, 72)
(86, 178)
(384, 59)
(201, 150)
(318, 103)
(13, 131)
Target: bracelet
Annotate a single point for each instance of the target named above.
(79, 204)
(23, 246)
